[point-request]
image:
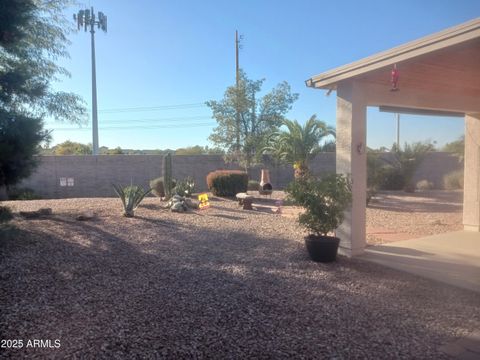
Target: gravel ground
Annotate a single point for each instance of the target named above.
(396, 215)
(220, 283)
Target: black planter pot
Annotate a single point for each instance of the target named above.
(322, 248)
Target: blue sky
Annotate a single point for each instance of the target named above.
(168, 53)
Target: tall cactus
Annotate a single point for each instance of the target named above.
(167, 175)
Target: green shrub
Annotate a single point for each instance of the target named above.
(22, 194)
(185, 187)
(253, 185)
(396, 171)
(390, 178)
(425, 185)
(289, 201)
(453, 180)
(157, 186)
(227, 182)
(131, 197)
(382, 176)
(5, 214)
(325, 201)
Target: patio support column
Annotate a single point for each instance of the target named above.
(351, 159)
(471, 192)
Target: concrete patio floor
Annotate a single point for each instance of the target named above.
(452, 258)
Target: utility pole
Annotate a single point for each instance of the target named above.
(237, 85)
(397, 116)
(86, 18)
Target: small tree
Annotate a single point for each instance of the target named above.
(116, 151)
(394, 170)
(32, 38)
(456, 147)
(72, 148)
(199, 150)
(298, 144)
(19, 137)
(258, 117)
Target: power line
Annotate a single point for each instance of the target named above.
(153, 108)
(146, 120)
(158, 120)
(170, 126)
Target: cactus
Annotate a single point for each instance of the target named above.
(185, 187)
(167, 176)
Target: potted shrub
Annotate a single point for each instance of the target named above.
(324, 201)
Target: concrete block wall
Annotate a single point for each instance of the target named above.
(435, 166)
(93, 176)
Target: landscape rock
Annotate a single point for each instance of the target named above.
(87, 215)
(36, 214)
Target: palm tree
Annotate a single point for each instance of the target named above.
(298, 144)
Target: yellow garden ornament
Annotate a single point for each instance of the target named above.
(203, 199)
(296, 165)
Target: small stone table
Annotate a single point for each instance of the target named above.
(245, 200)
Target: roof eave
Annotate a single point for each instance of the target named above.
(449, 37)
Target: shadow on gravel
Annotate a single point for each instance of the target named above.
(230, 217)
(438, 201)
(107, 292)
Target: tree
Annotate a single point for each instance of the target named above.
(32, 37)
(116, 151)
(72, 148)
(198, 150)
(408, 159)
(456, 147)
(298, 144)
(191, 150)
(19, 136)
(258, 117)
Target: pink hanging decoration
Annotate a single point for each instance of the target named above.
(395, 77)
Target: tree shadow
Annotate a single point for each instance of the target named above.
(441, 202)
(107, 290)
(229, 217)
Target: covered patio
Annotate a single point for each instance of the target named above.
(438, 74)
(452, 258)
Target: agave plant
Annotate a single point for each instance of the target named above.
(131, 197)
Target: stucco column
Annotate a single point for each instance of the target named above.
(471, 192)
(351, 160)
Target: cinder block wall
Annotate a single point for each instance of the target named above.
(435, 166)
(93, 175)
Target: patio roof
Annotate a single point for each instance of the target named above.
(449, 58)
(438, 74)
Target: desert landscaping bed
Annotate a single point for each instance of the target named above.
(397, 215)
(217, 283)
